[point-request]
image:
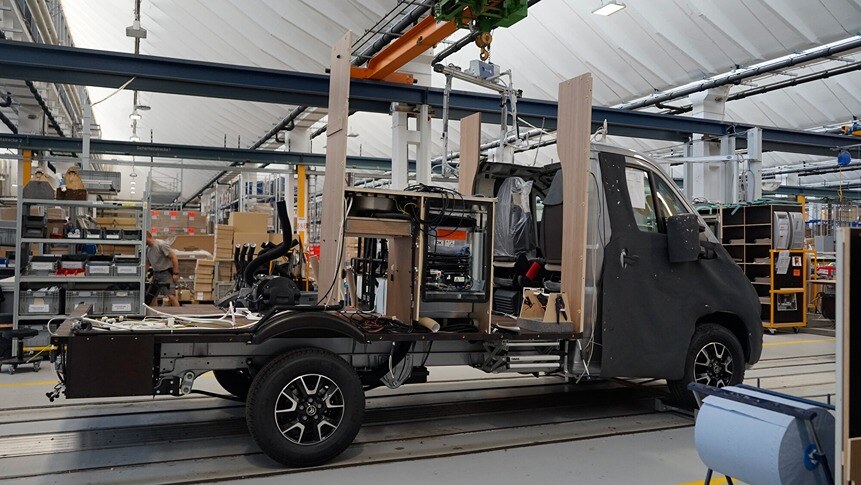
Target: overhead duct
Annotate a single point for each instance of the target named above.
(740, 75)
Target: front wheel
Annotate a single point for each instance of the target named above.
(715, 358)
(305, 407)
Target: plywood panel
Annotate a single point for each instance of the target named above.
(574, 129)
(470, 139)
(336, 163)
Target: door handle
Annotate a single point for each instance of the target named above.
(625, 260)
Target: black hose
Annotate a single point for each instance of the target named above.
(273, 254)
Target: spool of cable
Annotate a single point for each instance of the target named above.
(429, 323)
(763, 446)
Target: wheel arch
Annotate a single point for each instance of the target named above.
(306, 324)
(734, 324)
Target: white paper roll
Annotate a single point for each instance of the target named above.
(759, 446)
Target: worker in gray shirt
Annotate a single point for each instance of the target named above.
(165, 267)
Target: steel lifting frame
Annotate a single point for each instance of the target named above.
(68, 65)
(418, 39)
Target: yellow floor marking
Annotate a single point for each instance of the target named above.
(32, 383)
(715, 481)
(796, 342)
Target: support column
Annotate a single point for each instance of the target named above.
(403, 138)
(753, 178)
(400, 148)
(706, 180)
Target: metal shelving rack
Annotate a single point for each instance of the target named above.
(24, 249)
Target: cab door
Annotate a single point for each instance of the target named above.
(649, 305)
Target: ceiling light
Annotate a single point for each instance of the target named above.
(352, 134)
(135, 115)
(143, 107)
(609, 8)
(134, 138)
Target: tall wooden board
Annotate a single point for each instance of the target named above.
(574, 129)
(470, 139)
(329, 275)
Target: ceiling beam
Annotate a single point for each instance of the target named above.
(195, 78)
(186, 152)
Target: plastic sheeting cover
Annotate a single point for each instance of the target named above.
(513, 231)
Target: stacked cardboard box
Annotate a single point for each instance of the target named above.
(249, 228)
(204, 274)
(224, 242)
(165, 223)
(225, 271)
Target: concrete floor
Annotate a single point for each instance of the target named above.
(800, 364)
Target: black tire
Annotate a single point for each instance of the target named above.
(721, 362)
(235, 381)
(278, 405)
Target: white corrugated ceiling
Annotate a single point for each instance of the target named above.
(649, 46)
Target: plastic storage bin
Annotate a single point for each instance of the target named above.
(132, 234)
(39, 302)
(127, 266)
(94, 233)
(113, 234)
(43, 266)
(73, 265)
(122, 302)
(100, 266)
(77, 297)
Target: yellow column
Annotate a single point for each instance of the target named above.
(302, 196)
(25, 168)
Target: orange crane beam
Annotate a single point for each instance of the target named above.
(420, 38)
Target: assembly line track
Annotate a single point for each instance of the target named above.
(202, 439)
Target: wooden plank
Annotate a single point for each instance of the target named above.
(399, 287)
(372, 227)
(336, 163)
(470, 139)
(574, 129)
(853, 460)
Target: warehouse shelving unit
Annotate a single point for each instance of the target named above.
(26, 247)
(746, 233)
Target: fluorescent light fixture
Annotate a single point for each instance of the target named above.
(134, 138)
(609, 8)
(135, 115)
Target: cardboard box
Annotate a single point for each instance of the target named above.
(203, 287)
(194, 243)
(117, 222)
(55, 229)
(9, 213)
(184, 296)
(203, 295)
(250, 222)
(56, 214)
(257, 238)
(276, 237)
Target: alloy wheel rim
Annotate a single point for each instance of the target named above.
(309, 409)
(713, 365)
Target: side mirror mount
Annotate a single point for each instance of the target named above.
(683, 238)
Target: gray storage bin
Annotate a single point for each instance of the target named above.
(39, 302)
(122, 302)
(43, 266)
(127, 266)
(100, 268)
(76, 297)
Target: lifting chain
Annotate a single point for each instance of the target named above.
(483, 42)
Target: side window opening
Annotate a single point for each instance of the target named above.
(642, 199)
(667, 202)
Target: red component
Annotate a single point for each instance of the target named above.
(314, 250)
(533, 270)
